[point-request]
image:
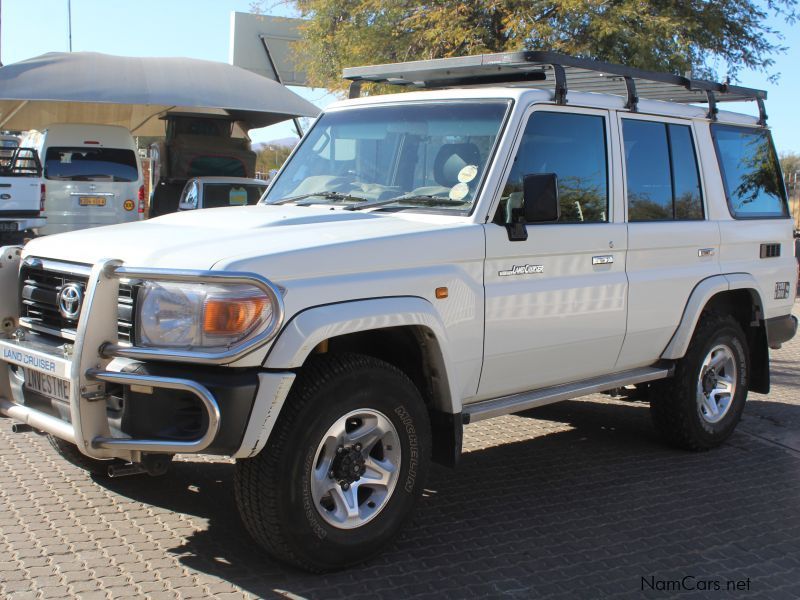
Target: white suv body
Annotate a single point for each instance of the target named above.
(448, 308)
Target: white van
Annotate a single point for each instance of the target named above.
(92, 176)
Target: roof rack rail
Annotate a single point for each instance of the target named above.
(560, 72)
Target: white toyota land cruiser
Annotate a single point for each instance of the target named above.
(422, 260)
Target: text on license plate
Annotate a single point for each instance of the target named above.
(92, 201)
(8, 226)
(47, 385)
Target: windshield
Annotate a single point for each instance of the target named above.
(421, 156)
(90, 164)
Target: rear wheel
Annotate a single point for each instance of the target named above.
(343, 467)
(700, 406)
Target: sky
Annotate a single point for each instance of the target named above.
(201, 29)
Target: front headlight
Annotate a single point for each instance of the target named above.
(199, 315)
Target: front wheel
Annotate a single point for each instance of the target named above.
(343, 467)
(70, 453)
(701, 405)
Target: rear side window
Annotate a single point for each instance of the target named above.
(661, 170)
(90, 164)
(217, 195)
(750, 171)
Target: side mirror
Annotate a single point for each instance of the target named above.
(539, 205)
(540, 198)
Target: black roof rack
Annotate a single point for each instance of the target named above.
(551, 70)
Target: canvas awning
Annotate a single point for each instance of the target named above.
(89, 87)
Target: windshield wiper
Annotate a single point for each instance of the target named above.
(326, 195)
(423, 199)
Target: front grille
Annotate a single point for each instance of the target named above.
(39, 290)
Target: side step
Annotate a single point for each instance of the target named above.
(504, 405)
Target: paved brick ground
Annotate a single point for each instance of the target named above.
(574, 500)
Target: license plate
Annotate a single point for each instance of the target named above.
(92, 201)
(47, 385)
(8, 226)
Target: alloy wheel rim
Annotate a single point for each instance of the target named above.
(716, 384)
(356, 468)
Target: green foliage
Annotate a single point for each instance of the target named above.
(270, 157)
(708, 37)
(790, 163)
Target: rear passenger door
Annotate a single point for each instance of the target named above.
(671, 244)
(555, 303)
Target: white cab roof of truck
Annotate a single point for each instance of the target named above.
(221, 179)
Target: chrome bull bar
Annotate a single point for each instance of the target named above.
(185, 385)
(86, 369)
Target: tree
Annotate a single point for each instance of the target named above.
(790, 163)
(707, 37)
(271, 156)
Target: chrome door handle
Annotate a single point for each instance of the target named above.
(705, 252)
(603, 260)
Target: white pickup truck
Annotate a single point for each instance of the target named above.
(21, 196)
(422, 260)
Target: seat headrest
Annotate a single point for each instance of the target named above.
(451, 158)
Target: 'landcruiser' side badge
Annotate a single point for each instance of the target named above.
(522, 270)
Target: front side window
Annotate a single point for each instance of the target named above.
(90, 164)
(573, 146)
(430, 156)
(750, 171)
(661, 171)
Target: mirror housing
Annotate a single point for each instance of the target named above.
(540, 198)
(539, 205)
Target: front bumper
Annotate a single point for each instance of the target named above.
(121, 407)
(26, 224)
(84, 420)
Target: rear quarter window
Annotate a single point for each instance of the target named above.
(750, 171)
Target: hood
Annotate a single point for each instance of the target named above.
(201, 239)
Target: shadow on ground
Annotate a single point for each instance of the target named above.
(591, 509)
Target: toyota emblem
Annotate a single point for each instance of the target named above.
(69, 301)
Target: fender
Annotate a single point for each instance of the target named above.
(702, 293)
(310, 327)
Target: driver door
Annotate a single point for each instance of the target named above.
(556, 303)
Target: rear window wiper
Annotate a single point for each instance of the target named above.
(326, 195)
(423, 199)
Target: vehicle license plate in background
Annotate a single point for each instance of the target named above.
(47, 385)
(92, 201)
(8, 226)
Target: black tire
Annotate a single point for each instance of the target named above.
(72, 455)
(273, 489)
(674, 404)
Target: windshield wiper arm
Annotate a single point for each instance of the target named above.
(424, 199)
(326, 195)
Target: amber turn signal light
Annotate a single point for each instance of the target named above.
(441, 293)
(232, 315)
